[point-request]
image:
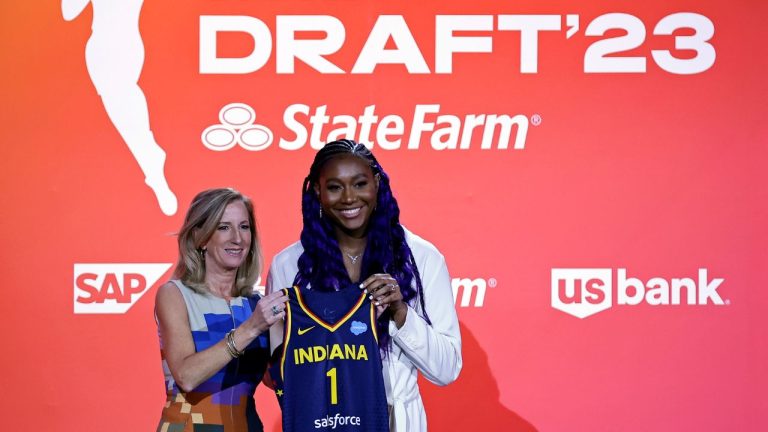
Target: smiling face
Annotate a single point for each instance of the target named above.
(230, 243)
(347, 191)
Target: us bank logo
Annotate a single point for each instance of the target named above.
(583, 292)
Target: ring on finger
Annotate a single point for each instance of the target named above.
(391, 287)
(275, 310)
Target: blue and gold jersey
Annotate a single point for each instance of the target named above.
(331, 367)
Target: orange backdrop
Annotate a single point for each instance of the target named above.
(637, 145)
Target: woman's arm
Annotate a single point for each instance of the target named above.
(190, 368)
(434, 349)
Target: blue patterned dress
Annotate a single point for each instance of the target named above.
(225, 401)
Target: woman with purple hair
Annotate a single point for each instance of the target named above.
(352, 235)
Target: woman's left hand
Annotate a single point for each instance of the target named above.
(384, 292)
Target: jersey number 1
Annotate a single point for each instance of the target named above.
(334, 395)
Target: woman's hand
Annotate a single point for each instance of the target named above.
(189, 367)
(385, 293)
(269, 310)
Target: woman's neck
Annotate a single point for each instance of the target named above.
(221, 283)
(352, 245)
(352, 249)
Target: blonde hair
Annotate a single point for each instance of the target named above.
(200, 223)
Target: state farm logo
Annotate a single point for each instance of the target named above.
(237, 128)
(113, 288)
(582, 292)
(471, 289)
(428, 123)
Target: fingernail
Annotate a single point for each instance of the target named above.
(377, 303)
(370, 297)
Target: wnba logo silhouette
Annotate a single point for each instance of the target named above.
(237, 128)
(114, 55)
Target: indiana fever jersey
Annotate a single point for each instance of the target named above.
(331, 368)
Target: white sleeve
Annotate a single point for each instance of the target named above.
(435, 350)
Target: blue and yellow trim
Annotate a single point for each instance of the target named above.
(286, 334)
(318, 320)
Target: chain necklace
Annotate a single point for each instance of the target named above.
(353, 258)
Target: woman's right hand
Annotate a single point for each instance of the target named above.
(269, 310)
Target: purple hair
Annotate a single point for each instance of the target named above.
(321, 264)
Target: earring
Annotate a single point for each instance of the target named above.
(321, 212)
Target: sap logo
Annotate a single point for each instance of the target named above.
(113, 288)
(470, 288)
(587, 291)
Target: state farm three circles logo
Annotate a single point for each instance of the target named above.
(237, 127)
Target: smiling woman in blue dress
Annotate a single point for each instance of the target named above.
(212, 325)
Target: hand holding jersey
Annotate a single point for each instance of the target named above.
(329, 374)
(384, 292)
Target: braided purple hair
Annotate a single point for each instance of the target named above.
(321, 264)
